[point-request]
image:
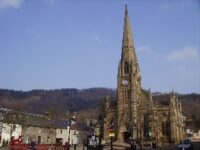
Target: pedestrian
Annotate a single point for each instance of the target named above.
(75, 141)
(84, 144)
(32, 145)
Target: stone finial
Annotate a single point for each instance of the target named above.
(149, 91)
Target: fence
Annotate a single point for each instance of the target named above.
(38, 147)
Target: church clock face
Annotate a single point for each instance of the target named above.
(125, 82)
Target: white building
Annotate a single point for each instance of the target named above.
(9, 130)
(65, 131)
(62, 135)
(73, 133)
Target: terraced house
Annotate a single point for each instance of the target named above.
(41, 129)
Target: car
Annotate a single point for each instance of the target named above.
(185, 145)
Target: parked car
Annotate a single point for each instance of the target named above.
(185, 145)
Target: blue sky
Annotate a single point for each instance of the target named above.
(48, 44)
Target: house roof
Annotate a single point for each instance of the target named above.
(28, 119)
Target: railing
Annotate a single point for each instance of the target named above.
(38, 147)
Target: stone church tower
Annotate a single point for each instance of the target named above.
(128, 84)
(137, 113)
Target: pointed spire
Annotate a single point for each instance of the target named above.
(127, 35)
(128, 49)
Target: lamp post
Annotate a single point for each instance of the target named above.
(111, 135)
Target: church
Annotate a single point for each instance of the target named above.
(137, 114)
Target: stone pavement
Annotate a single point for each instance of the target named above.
(196, 145)
(78, 147)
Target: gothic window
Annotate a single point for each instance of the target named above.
(164, 129)
(168, 128)
(129, 94)
(126, 68)
(126, 94)
(146, 126)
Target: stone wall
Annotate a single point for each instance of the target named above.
(39, 135)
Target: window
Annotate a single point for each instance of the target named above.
(126, 68)
(146, 126)
(13, 127)
(127, 94)
(168, 128)
(39, 139)
(163, 128)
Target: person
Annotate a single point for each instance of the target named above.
(67, 146)
(32, 145)
(84, 144)
(133, 145)
(154, 144)
(75, 141)
(48, 140)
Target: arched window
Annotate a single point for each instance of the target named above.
(126, 68)
(127, 94)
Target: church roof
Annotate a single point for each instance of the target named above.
(163, 99)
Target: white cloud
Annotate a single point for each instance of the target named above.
(185, 54)
(10, 3)
(185, 77)
(184, 69)
(17, 3)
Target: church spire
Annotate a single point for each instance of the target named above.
(129, 83)
(128, 50)
(127, 36)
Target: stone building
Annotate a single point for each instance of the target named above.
(38, 128)
(42, 129)
(31, 127)
(138, 114)
(7, 131)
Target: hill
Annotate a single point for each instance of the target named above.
(85, 101)
(58, 101)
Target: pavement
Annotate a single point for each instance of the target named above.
(196, 145)
(78, 147)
